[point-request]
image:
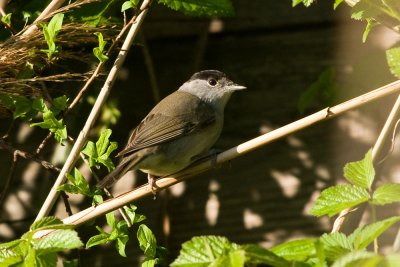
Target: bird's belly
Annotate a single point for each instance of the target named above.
(176, 155)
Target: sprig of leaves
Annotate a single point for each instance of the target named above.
(50, 32)
(99, 152)
(50, 121)
(30, 251)
(119, 232)
(129, 4)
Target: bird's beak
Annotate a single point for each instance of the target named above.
(235, 87)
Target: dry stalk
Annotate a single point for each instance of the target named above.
(80, 141)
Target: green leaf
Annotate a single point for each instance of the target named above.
(59, 104)
(149, 263)
(50, 32)
(337, 3)
(99, 153)
(129, 4)
(352, 258)
(99, 51)
(7, 19)
(57, 241)
(306, 3)
(97, 240)
(21, 106)
(208, 8)
(298, 250)
(147, 241)
(335, 245)
(370, 24)
(361, 173)
(259, 255)
(323, 89)
(386, 194)
(111, 219)
(203, 251)
(121, 243)
(46, 221)
(393, 59)
(367, 9)
(55, 24)
(363, 236)
(53, 125)
(337, 198)
(133, 216)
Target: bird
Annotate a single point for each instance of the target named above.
(179, 130)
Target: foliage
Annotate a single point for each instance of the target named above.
(32, 251)
(99, 51)
(99, 152)
(50, 32)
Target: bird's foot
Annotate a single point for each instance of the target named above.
(152, 184)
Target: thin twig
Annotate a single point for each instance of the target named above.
(27, 155)
(162, 183)
(9, 178)
(148, 61)
(43, 143)
(80, 141)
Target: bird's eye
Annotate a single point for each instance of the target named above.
(212, 82)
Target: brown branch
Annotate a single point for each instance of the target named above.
(26, 155)
(9, 178)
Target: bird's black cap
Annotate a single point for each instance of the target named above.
(206, 74)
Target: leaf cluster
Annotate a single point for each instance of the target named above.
(31, 251)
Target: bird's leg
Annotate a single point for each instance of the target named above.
(152, 183)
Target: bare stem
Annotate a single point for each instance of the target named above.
(232, 153)
(9, 178)
(80, 141)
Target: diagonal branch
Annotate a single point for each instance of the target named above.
(232, 153)
(80, 141)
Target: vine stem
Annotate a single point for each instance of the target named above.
(162, 183)
(80, 141)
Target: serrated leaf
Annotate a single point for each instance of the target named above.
(208, 8)
(386, 194)
(393, 60)
(366, 9)
(121, 243)
(46, 221)
(91, 152)
(337, 198)
(361, 173)
(335, 245)
(259, 255)
(370, 24)
(337, 3)
(111, 219)
(298, 250)
(79, 184)
(203, 251)
(306, 3)
(363, 236)
(59, 104)
(58, 241)
(352, 258)
(102, 143)
(97, 240)
(147, 241)
(133, 216)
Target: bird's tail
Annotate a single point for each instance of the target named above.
(126, 164)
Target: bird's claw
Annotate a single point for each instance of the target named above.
(152, 184)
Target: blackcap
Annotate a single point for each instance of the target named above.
(180, 129)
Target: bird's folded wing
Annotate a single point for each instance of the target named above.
(159, 128)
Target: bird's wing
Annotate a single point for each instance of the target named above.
(159, 128)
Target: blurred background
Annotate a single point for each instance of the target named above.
(263, 197)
